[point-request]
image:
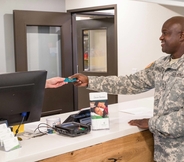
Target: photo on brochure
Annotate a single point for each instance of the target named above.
(99, 109)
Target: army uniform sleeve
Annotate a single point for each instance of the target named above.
(168, 126)
(133, 84)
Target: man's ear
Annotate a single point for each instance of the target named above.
(182, 36)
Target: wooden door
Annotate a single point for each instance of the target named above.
(106, 24)
(58, 100)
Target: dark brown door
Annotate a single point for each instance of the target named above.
(56, 100)
(88, 28)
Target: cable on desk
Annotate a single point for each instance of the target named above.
(44, 125)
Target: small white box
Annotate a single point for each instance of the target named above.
(99, 110)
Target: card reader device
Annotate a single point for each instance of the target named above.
(73, 129)
(76, 124)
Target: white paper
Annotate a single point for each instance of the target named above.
(143, 111)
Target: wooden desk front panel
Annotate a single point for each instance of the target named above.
(136, 147)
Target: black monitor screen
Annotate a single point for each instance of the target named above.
(22, 93)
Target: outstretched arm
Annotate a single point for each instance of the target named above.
(55, 82)
(139, 82)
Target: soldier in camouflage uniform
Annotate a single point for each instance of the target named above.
(166, 75)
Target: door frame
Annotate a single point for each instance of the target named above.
(74, 36)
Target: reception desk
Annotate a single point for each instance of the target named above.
(122, 143)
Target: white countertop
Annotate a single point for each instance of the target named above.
(52, 145)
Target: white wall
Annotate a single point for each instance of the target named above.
(6, 25)
(139, 28)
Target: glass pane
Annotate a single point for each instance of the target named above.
(95, 50)
(44, 49)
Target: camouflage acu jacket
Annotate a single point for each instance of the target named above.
(167, 124)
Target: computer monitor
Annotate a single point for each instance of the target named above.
(21, 94)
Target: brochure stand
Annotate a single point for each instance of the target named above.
(8, 141)
(99, 110)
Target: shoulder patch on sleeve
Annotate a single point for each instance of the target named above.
(148, 66)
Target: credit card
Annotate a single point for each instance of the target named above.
(70, 80)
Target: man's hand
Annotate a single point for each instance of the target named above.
(55, 82)
(141, 123)
(82, 80)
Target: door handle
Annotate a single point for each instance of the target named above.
(77, 68)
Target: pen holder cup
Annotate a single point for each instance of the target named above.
(51, 122)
